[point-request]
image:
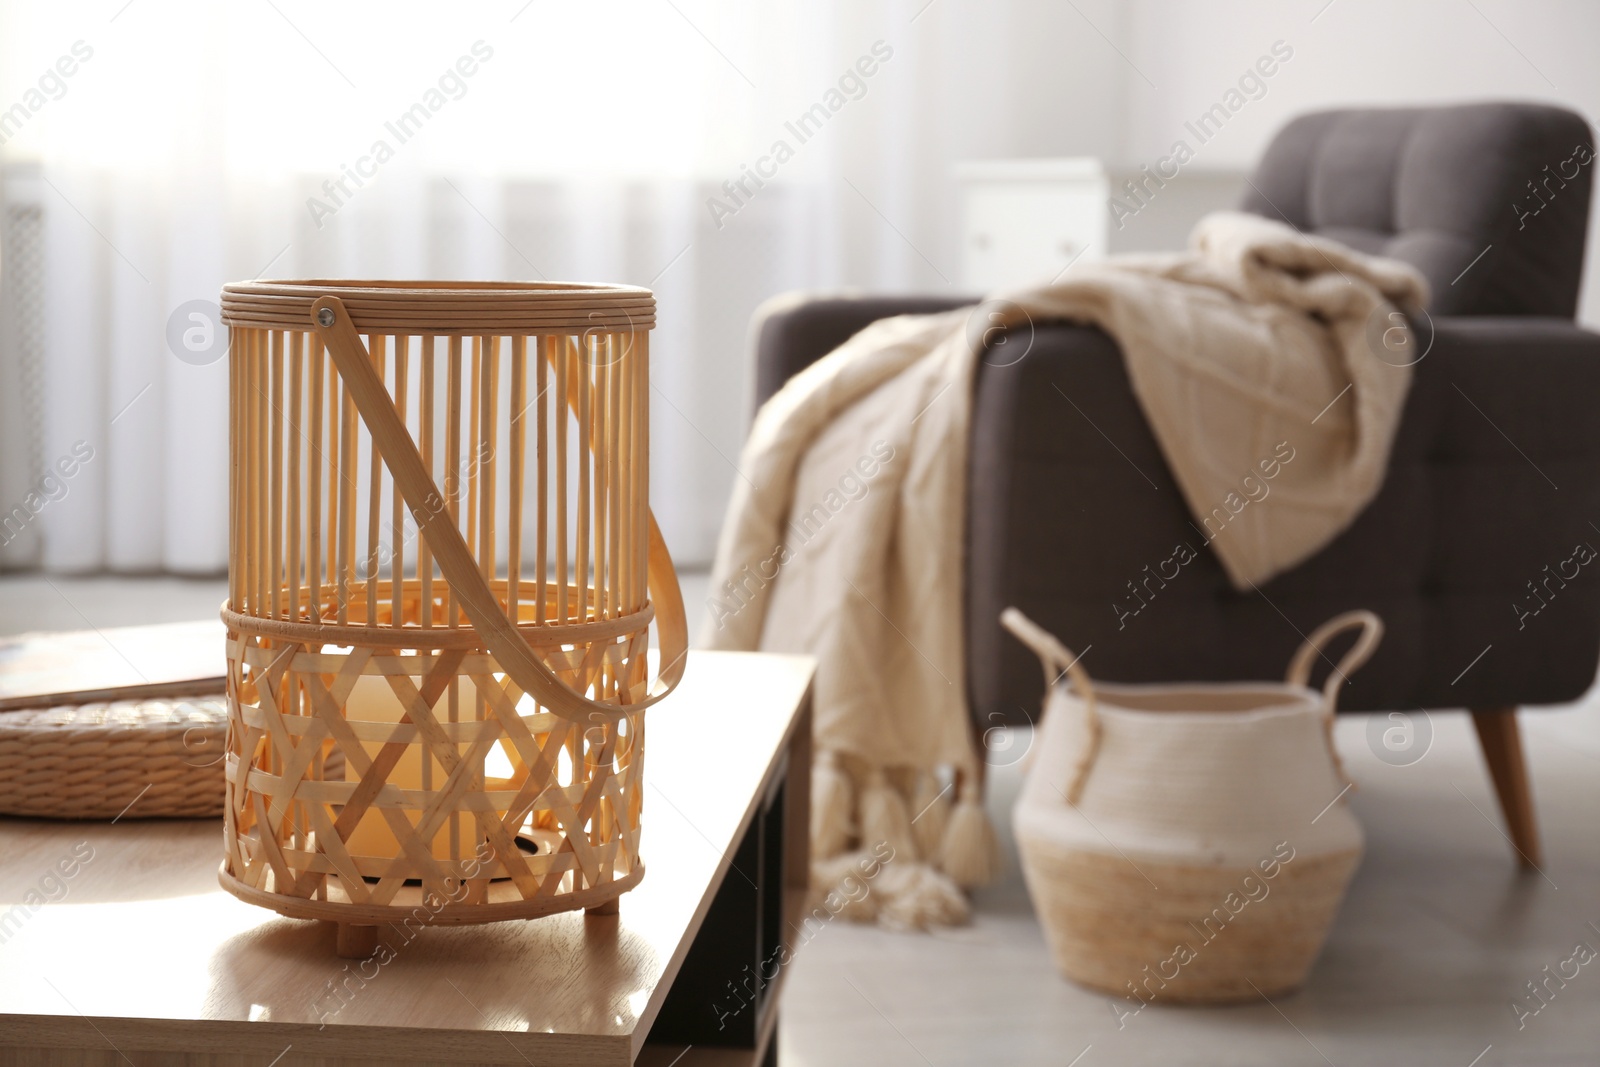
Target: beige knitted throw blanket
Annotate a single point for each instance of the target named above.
(1272, 368)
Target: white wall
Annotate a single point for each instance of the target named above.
(978, 79)
(1356, 52)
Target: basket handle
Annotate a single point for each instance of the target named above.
(456, 562)
(1299, 672)
(1060, 660)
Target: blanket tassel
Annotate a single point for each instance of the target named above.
(884, 817)
(832, 805)
(841, 886)
(970, 855)
(897, 894)
(918, 897)
(931, 802)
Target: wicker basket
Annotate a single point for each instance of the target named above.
(441, 724)
(135, 758)
(1187, 843)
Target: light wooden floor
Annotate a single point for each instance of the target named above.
(1438, 937)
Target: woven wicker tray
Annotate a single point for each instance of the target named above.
(148, 758)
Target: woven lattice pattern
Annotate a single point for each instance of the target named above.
(314, 811)
(135, 758)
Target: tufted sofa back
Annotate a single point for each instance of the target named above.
(1439, 186)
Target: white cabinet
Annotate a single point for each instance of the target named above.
(1025, 220)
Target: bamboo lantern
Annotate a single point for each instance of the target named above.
(440, 720)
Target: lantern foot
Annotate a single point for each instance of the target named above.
(355, 942)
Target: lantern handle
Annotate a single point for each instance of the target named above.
(331, 322)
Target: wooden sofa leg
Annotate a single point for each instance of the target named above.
(1502, 751)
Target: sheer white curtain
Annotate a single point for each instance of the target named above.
(179, 145)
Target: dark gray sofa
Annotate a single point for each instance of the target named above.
(1494, 478)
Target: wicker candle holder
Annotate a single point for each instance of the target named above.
(439, 723)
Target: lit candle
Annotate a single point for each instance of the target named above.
(372, 700)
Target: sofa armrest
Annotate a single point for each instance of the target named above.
(1513, 332)
(1515, 383)
(793, 331)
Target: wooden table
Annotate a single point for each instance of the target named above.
(117, 946)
